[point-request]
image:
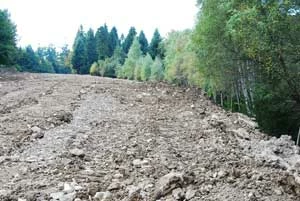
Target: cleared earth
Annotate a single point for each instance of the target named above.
(68, 137)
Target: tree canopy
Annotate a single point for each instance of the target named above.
(7, 39)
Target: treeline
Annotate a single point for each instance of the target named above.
(103, 52)
(43, 60)
(249, 59)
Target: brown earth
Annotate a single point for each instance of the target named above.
(70, 137)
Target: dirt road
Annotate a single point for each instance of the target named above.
(68, 137)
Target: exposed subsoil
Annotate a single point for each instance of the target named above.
(82, 138)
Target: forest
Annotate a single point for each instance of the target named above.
(244, 54)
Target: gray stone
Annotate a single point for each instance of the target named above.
(139, 163)
(114, 186)
(39, 135)
(134, 192)
(103, 196)
(278, 192)
(190, 193)
(61, 196)
(36, 129)
(178, 194)
(167, 183)
(118, 176)
(139, 98)
(77, 152)
(5, 193)
(68, 188)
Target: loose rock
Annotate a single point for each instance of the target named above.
(77, 152)
(167, 183)
(103, 196)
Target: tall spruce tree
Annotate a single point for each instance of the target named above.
(7, 39)
(113, 41)
(128, 40)
(143, 42)
(79, 56)
(154, 48)
(92, 55)
(102, 40)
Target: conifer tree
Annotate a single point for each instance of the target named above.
(92, 55)
(7, 39)
(79, 57)
(113, 41)
(129, 40)
(154, 48)
(143, 42)
(157, 71)
(102, 40)
(132, 60)
(147, 63)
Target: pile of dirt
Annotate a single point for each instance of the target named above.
(82, 138)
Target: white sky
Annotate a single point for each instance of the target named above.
(43, 22)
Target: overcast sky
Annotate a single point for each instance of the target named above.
(43, 22)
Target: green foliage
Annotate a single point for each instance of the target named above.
(146, 63)
(157, 71)
(105, 68)
(113, 41)
(249, 56)
(181, 60)
(138, 70)
(119, 55)
(91, 48)
(44, 60)
(129, 40)
(155, 48)
(79, 56)
(103, 41)
(143, 42)
(94, 70)
(132, 60)
(7, 39)
(62, 60)
(275, 110)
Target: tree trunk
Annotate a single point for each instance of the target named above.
(298, 138)
(244, 90)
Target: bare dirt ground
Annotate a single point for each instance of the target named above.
(69, 137)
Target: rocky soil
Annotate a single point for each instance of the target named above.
(82, 138)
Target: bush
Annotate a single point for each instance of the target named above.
(94, 70)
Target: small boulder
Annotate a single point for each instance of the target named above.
(39, 135)
(61, 196)
(167, 183)
(68, 188)
(139, 98)
(77, 152)
(178, 194)
(139, 163)
(114, 186)
(190, 193)
(103, 196)
(36, 129)
(134, 193)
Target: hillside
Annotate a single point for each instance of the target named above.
(71, 137)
